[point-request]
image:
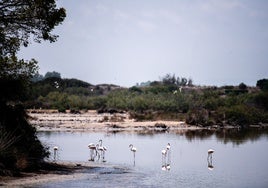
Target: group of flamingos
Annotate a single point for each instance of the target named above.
(98, 152)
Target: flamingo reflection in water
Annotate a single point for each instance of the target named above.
(209, 159)
(166, 159)
(133, 149)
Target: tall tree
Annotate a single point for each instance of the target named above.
(21, 19)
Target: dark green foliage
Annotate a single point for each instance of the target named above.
(242, 86)
(37, 77)
(169, 79)
(53, 74)
(53, 84)
(262, 84)
(198, 117)
(261, 99)
(75, 83)
(19, 147)
(244, 115)
(20, 22)
(135, 89)
(21, 19)
(14, 78)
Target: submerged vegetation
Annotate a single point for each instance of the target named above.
(170, 99)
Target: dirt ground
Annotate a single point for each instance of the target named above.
(49, 120)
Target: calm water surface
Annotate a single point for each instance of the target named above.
(239, 160)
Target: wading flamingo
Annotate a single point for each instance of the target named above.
(210, 152)
(168, 153)
(55, 149)
(166, 157)
(168, 146)
(93, 151)
(165, 152)
(133, 149)
(102, 149)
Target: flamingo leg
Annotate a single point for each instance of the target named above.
(134, 158)
(55, 153)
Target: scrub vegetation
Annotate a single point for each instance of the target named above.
(169, 99)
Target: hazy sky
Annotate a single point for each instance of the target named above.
(214, 42)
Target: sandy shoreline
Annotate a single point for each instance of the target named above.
(45, 120)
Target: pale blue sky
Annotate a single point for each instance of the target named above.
(215, 42)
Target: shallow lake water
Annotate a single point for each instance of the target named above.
(239, 160)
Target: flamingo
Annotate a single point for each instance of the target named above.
(55, 148)
(92, 148)
(210, 151)
(168, 146)
(166, 152)
(100, 141)
(102, 149)
(133, 149)
(164, 155)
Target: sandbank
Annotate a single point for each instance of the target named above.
(51, 120)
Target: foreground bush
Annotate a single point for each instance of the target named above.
(20, 148)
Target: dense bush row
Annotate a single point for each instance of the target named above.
(203, 106)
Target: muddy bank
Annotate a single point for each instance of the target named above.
(49, 120)
(55, 172)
